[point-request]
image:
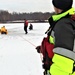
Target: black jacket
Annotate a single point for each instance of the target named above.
(64, 33)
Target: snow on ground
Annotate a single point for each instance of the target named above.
(18, 55)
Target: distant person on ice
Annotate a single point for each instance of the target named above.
(31, 27)
(25, 26)
(3, 30)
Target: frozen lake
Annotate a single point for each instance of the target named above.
(18, 55)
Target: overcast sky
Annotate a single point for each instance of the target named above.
(27, 5)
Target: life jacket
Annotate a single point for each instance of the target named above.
(46, 46)
(46, 49)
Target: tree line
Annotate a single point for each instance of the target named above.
(5, 16)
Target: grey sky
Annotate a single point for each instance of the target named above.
(27, 5)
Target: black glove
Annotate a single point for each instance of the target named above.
(38, 49)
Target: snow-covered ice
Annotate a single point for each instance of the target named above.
(18, 55)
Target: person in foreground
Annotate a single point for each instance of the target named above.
(60, 42)
(63, 23)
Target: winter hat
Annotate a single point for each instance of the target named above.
(63, 4)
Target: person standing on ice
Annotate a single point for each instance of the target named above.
(62, 26)
(63, 23)
(25, 26)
